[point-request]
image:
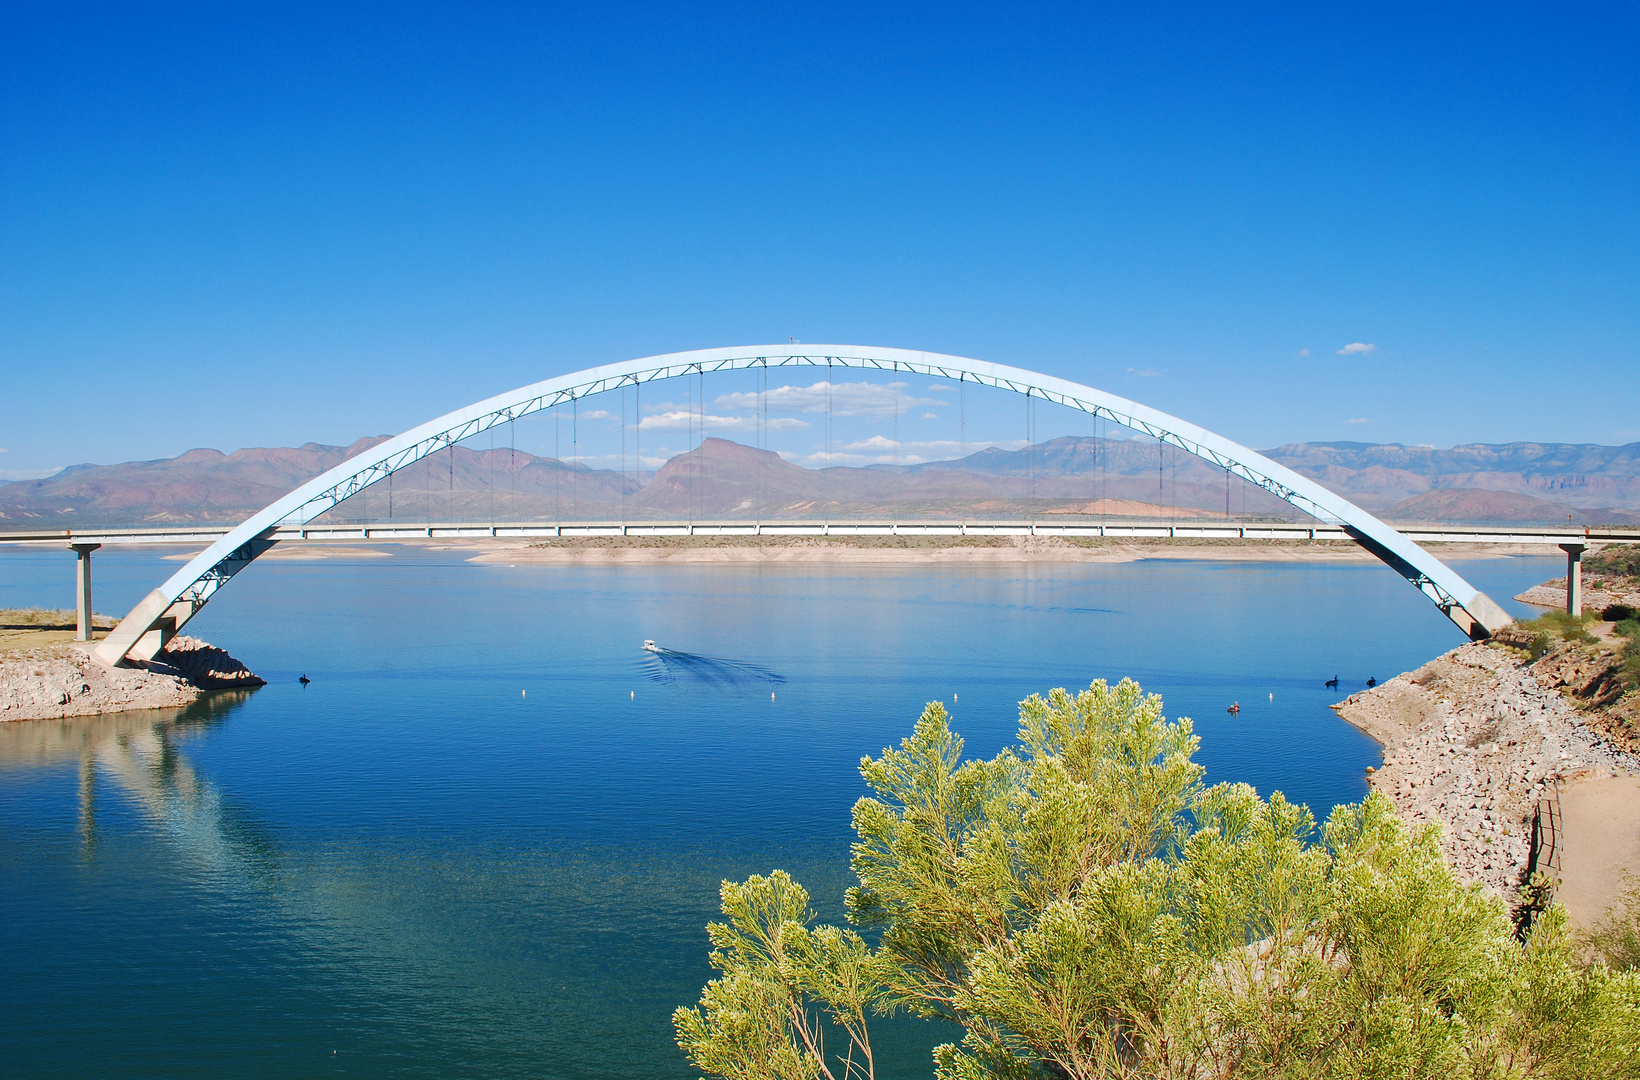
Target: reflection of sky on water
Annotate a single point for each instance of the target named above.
(472, 953)
(675, 668)
(413, 864)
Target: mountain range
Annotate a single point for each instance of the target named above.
(1514, 483)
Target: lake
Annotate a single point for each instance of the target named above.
(486, 838)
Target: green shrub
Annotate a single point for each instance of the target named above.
(1619, 560)
(1615, 940)
(1556, 626)
(1083, 905)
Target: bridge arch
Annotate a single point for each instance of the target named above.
(142, 633)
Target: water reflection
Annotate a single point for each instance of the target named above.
(136, 751)
(464, 951)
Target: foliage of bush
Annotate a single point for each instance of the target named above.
(1615, 940)
(1083, 906)
(1619, 560)
(1553, 627)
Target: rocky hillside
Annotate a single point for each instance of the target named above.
(209, 487)
(1567, 477)
(1476, 737)
(1519, 483)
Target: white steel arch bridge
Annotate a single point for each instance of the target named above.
(144, 632)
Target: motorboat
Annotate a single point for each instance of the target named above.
(650, 646)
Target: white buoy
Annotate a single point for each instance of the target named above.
(771, 695)
(953, 699)
(634, 695)
(523, 693)
(1272, 695)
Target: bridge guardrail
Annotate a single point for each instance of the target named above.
(1136, 529)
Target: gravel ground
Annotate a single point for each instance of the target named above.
(57, 681)
(1472, 741)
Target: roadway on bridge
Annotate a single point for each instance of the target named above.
(1076, 529)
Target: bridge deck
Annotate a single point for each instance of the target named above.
(1426, 534)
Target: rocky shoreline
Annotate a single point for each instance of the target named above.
(1552, 595)
(918, 550)
(54, 682)
(1473, 740)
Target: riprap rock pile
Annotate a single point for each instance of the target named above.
(1473, 741)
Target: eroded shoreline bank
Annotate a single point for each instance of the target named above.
(854, 549)
(58, 680)
(920, 550)
(1479, 737)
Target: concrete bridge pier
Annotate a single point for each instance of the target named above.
(1574, 578)
(82, 590)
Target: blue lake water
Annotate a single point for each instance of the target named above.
(485, 840)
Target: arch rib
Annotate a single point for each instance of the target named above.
(143, 632)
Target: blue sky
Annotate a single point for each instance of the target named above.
(241, 225)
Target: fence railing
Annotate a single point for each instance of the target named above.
(1548, 833)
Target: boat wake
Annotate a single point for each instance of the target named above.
(674, 667)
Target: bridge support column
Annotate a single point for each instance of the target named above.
(1574, 578)
(82, 590)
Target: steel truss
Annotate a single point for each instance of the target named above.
(142, 633)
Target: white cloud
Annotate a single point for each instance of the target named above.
(1358, 420)
(1304, 352)
(1357, 348)
(30, 474)
(930, 416)
(1146, 373)
(596, 414)
(875, 400)
(881, 450)
(681, 419)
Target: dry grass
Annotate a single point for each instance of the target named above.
(37, 628)
(1615, 939)
(47, 619)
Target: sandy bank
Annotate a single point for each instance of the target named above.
(55, 681)
(299, 552)
(1473, 741)
(901, 550)
(887, 550)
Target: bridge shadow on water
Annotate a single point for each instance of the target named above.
(674, 668)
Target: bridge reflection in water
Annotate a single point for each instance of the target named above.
(139, 754)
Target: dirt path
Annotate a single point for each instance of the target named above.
(1602, 843)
